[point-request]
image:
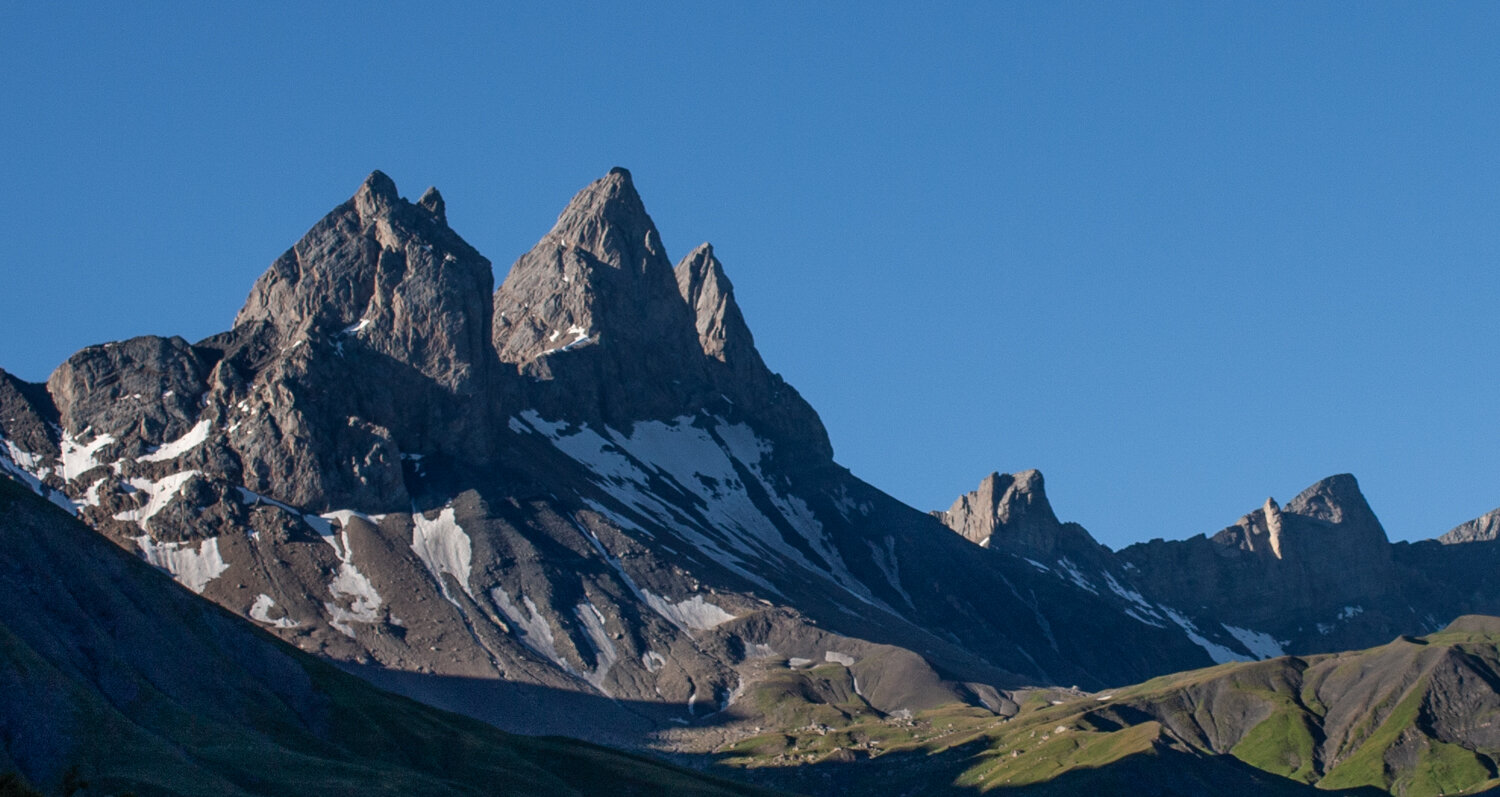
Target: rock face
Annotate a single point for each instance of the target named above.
(592, 312)
(390, 277)
(735, 367)
(1284, 569)
(1011, 513)
(1484, 528)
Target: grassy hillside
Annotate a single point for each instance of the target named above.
(1418, 716)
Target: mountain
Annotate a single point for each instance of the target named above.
(583, 504)
(588, 482)
(116, 674)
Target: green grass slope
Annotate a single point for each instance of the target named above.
(1418, 716)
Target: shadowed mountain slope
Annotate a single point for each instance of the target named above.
(108, 666)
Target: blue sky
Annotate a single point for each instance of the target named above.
(1178, 256)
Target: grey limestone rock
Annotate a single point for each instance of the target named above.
(1011, 513)
(736, 367)
(148, 386)
(27, 415)
(595, 304)
(1483, 528)
(393, 278)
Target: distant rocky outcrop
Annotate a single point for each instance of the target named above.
(1011, 513)
(1301, 563)
(1316, 574)
(1484, 528)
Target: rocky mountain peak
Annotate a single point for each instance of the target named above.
(722, 331)
(433, 202)
(736, 369)
(389, 276)
(608, 220)
(1336, 499)
(595, 303)
(1007, 511)
(376, 194)
(600, 274)
(1328, 520)
(1484, 527)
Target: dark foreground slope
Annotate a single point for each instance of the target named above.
(108, 666)
(1416, 716)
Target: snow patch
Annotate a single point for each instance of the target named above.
(652, 661)
(531, 627)
(1218, 653)
(348, 583)
(191, 568)
(1134, 597)
(605, 654)
(158, 493)
(249, 498)
(884, 557)
(78, 458)
(1261, 646)
(1134, 615)
(695, 612)
(260, 611)
(839, 658)
(91, 496)
(1068, 567)
(26, 468)
(176, 448)
(443, 546)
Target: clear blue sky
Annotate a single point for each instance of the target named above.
(1178, 256)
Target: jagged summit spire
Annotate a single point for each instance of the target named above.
(722, 331)
(1333, 500)
(608, 220)
(598, 286)
(433, 202)
(600, 273)
(1013, 506)
(596, 302)
(379, 184)
(390, 274)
